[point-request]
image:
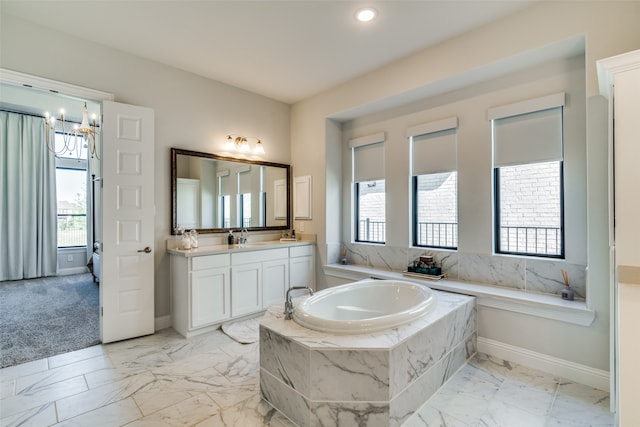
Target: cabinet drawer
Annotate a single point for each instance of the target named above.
(258, 256)
(209, 261)
(296, 251)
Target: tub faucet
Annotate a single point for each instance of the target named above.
(288, 305)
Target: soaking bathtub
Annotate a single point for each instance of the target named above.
(364, 306)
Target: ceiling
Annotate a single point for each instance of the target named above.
(285, 50)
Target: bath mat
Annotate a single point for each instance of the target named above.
(245, 331)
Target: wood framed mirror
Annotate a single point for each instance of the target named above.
(214, 194)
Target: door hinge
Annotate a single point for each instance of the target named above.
(101, 311)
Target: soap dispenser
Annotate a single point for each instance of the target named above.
(230, 238)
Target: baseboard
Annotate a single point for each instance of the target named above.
(582, 374)
(162, 322)
(72, 270)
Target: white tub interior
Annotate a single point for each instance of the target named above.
(365, 306)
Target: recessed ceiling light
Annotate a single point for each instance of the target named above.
(366, 14)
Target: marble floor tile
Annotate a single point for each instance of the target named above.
(115, 414)
(28, 368)
(75, 356)
(110, 375)
(523, 397)
(41, 379)
(44, 415)
(251, 412)
(90, 400)
(211, 380)
(34, 398)
(188, 412)
(7, 388)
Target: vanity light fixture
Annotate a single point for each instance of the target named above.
(366, 15)
(241, 144)
(86, 131)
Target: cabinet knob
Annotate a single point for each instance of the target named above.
(146, 250)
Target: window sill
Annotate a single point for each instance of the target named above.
(539, 305)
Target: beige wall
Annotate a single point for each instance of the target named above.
(191, 112)
(608, 28)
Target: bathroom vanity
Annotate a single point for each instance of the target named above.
(214, 284)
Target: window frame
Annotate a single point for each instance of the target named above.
(544, 153)
(366, 151)
(76, 165)
(438, 129)
(414, 216)
(356, 210)
(496, 217)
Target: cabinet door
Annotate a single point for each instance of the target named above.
(301, 271)
(246, 289)
(275, 281)
(210, 296)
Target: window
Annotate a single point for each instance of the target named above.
(434, 184)
(370, 199)
(71, 192)
(530, 212)
(369, 188)
(224, 200)
(436, 210)
(245, 209)
(528, 177)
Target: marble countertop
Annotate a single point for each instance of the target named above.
(251, 246)
(541, 305)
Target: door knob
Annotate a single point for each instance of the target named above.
(146, 250)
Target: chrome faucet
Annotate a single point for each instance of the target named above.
(288, 305)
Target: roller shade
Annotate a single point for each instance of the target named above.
(223, 182)
(434, 152)
(244, 180)
(528, 138)
(528, 131)
(368, 158)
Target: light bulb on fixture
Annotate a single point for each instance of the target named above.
(259, 148)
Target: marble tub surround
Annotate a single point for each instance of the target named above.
(373, 379)
(519, 273)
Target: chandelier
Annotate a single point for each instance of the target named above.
(81, 136)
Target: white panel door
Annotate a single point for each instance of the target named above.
(127, 285)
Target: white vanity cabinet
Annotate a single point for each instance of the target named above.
(246, 287)
(275, 281)
(301, 266)
(256, 285)
(211, 286)
(204, 298)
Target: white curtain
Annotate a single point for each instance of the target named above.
(28, 211)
